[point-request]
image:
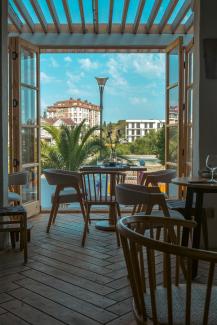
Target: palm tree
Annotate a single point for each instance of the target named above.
(72, 147)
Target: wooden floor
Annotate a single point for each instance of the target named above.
(64, 283)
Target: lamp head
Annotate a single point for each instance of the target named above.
(101, 81)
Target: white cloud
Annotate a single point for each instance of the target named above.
(88, 64)
(114, 69)
(74, 88)
(53, 63)
(149, 65)
(138, 100)
(67, 59)
(45, 78)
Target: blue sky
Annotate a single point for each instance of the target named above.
(136, 85)
(135, 88)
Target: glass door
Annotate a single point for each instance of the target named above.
(25, 119)
(174, 109)
(188, 109)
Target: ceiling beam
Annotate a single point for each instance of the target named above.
(153, 15)
(189, 23)
(124, 15)
(113, 41)
(181, 14)
(68, 16)
(81, 8)
(24, 13)
(167, 14)
(39, 14)
(138, 16)
(54, 14)
(111, 7)
(15, 19)
(95, 16)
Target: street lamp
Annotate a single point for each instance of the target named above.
(101, 83)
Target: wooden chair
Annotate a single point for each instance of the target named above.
(145, 197)
(14, 219)
(99, 189)
(170, 296)
(15, 180)
(68, 190)
(165, 176)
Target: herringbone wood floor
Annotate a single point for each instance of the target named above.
(64, 283)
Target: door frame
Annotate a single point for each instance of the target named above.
(178, 43)
(15, 124)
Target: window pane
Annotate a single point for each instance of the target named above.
(28, 106)
(172, 144)
(173, 66)
(189, 105)
(189, 144)
(190, 67)
(173, 105)
(28, 67)
(29, 145)
(30, 190)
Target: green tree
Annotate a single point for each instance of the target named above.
(73, 146)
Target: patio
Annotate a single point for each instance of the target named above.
(64, 283)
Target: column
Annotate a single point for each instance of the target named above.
(205, 100)
(3, 109)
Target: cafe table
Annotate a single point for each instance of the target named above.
(108, 225)
(196, 186)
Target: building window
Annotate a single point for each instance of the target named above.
(137, 132)
(151, 125)
(137, 125)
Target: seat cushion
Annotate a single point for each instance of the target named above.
(13, 197)
(178, 304)
(67, 196)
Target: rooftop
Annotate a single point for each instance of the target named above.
(101, 24)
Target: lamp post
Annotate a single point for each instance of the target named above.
(101, 83)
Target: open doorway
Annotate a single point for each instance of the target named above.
(134, 103)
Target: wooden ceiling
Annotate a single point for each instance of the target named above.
(30, 20)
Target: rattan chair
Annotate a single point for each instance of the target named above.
(68, 190)
(99, 189)
(163, 293)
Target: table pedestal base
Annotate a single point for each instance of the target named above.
(105, 225)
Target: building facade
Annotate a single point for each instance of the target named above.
(77, 110)
(139, 128)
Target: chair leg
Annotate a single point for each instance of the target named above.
(24, 239)
(55, 212)
(118, 210)
(83, 213)
(115, 220)
(51, 217)
(86, 226)
(12, 236)
(205, 230)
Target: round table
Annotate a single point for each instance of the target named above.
(195, 186)
(108, 225)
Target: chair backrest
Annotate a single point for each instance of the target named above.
(156, 177)
(62, 178)
(99, 186)
(18, 178)
(132, 194)
(156, 288)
